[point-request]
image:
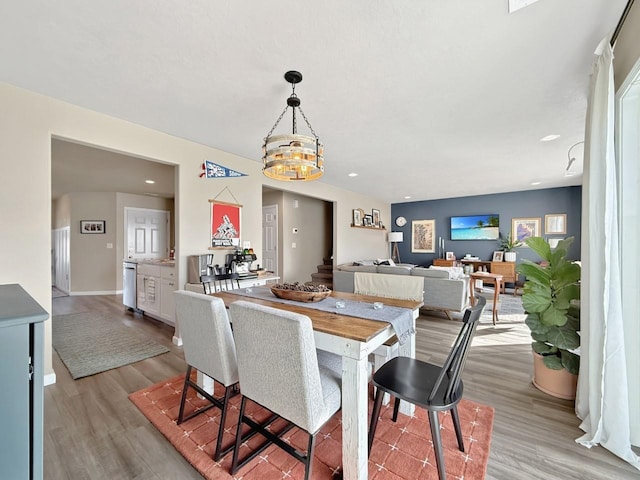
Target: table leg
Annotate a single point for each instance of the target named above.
(354, 418)
(496, 294)
(408, 350)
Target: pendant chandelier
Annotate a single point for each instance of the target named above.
(293, 156)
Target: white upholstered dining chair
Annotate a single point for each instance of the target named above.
(280, 370)
(208, 346)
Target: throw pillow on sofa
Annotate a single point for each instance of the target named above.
(455, 273)
(385, 261)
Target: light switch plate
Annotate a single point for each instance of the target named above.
(515, 5)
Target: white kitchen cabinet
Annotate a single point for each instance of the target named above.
(149, 289)
(167, 287)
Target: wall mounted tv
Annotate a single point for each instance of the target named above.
(475, 227)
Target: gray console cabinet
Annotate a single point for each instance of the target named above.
(21, 377)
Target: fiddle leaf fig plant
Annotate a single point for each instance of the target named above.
(551, 300)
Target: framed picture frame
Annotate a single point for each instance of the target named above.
(555, 224)
(498, 256)
(368, 220)
(523, 228)
(375, 214)
(92, 227)
(423, 236)
(225, 224)
(357, 217)
(449, 256)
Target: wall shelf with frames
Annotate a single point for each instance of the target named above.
(368, 228)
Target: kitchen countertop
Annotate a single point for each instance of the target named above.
(152, 261)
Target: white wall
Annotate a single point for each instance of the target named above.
(27, 123)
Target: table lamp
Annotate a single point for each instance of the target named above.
(395, 238)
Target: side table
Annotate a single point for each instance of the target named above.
(491, 278)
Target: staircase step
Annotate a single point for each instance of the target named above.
(322, 277)
(329, 284)
(328, 261)
(325, 268)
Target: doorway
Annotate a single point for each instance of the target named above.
(270, 238)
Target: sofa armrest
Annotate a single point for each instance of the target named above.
(343, 281)
(446, 294)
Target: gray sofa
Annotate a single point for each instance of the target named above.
(440, 291)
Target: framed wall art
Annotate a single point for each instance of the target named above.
(555, 224)
(498, 256)
(92, 226)
(375, 213)
(358, 213)
(367, 221)
(225, 224)
(523, 228)
(423, 236)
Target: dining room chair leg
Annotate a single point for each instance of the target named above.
(456, 425)
(236, 449)
(219, 453)
(396, 409)
(377, 404)
(434, 424)
(183, 398)
(309, 459)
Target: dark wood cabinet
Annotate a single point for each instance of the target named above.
(507, 270)
(441, 262)
(22, 377)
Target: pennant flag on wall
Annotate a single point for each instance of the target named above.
(213, 170)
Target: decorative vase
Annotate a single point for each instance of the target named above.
(557, 383)
(509, 256)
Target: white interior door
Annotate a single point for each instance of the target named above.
(147, 233)
(270, 238)
(60, 259)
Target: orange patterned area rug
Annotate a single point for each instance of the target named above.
(401, 450)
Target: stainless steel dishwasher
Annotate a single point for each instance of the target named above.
(129, 275)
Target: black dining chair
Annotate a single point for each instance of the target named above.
(220, 282)
(435, 388)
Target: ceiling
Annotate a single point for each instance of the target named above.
(427, 99)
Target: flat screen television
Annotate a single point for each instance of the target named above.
(475, 227)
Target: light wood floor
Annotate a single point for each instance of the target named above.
(92, 431)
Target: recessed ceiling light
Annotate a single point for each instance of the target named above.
(149, 182)
(536, 183)
(548, 138)
(407, 197)
(353, 174)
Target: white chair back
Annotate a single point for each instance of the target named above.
(207, 339)
(278, 366)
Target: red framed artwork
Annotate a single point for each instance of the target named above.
(225, 224)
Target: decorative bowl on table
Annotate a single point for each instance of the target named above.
(300, 292)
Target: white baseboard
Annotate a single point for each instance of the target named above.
(49, 379)
(99, 292)
(177, 341)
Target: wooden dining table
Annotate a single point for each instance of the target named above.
(354, 338)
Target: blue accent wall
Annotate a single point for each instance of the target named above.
(527, 204)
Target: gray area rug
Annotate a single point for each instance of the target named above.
(90, 343)
(510, 308)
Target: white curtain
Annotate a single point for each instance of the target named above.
(602, 401)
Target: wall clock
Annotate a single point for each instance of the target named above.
(401, 221)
